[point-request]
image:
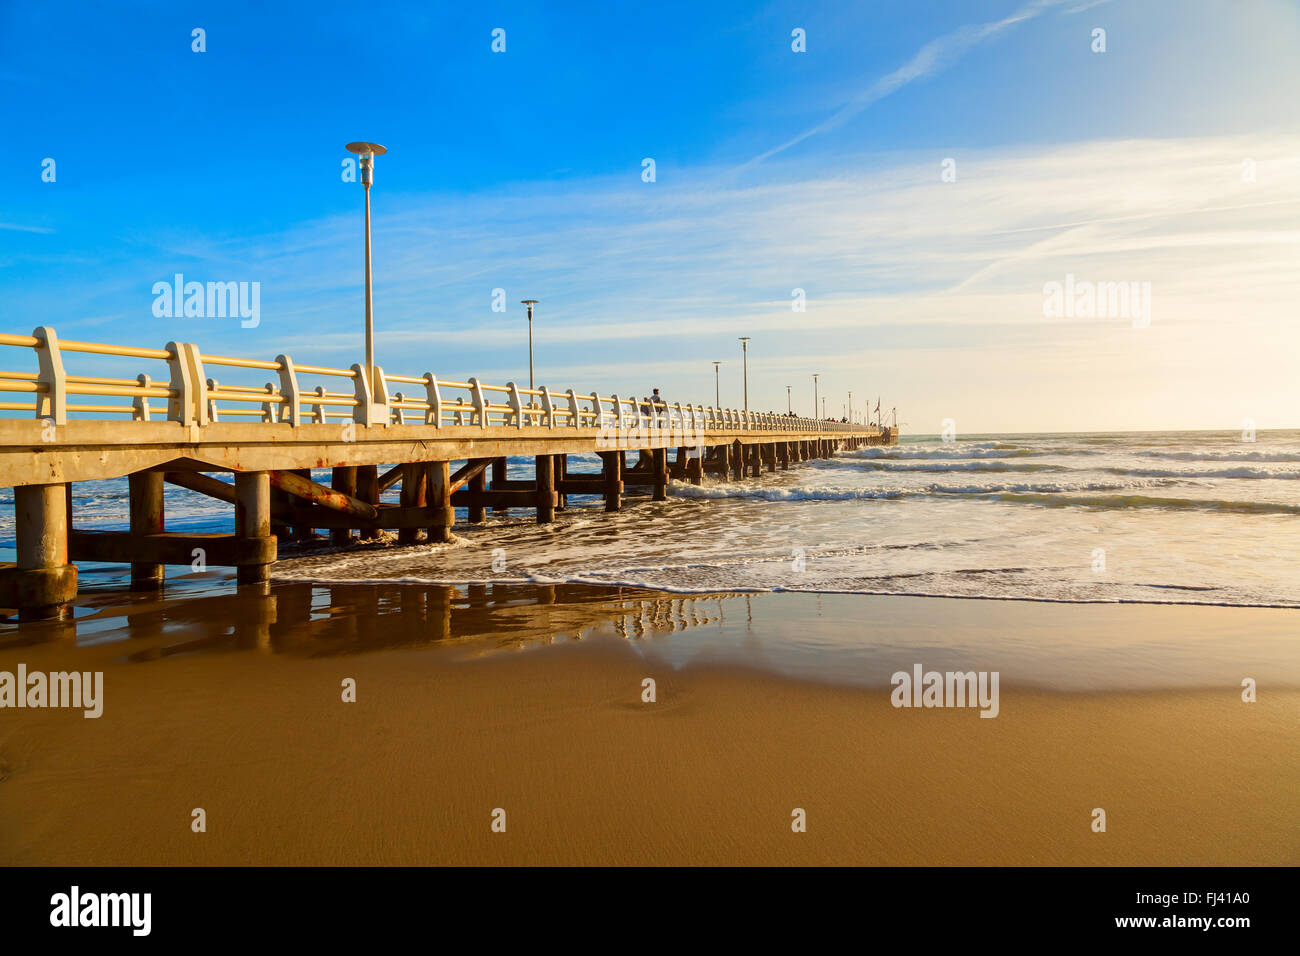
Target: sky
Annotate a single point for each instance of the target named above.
(923, 171)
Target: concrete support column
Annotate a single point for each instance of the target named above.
(737, 461)
(438, 500)
(561, 468)
(412, 496)
(769, 452)
(724, 462)
(303, 534)
(477, 513)
(613, 472)
(368, 491)
(498, 482)
(344, 480)
(695, 467)
(659, 468)
(45, 581)
(545, 470)
(755, 460)
(146, 502)
(252, 518)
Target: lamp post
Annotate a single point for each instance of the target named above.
(816, 375)
(530, 303)
(744, 353)
(366, 153)
(788, 407)
(850, 406)
(717, 386)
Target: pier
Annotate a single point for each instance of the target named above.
(443, 443)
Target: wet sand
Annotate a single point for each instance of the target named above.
(506, 709)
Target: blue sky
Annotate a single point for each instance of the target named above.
(775, 170)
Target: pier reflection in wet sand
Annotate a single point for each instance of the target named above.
(330, 619)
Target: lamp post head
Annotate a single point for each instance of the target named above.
(366, 153)
(528, 303)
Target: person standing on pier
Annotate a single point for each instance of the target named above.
(659, 406)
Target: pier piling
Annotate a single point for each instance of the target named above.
(343, 480)
(438, 500)
(499, 484)
(44, 580)
(412, 496)
(145, 490)
(368, 491)
(252, 519)
(659, 466)
(545, 471)
(613, 472)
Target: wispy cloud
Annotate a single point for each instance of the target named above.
(930, 289)
(932, 58)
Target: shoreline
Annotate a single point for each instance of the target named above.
(529, 699)
(589, 774)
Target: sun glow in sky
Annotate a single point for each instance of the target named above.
(1171, 160)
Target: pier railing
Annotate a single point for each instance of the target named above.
(188, 389)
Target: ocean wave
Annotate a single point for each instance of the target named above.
(1228, 456)
(1054, 489)
(980, 466)
(982, 450)
(1112, 502)
(877, 463)
(833, 493)
(1243, 472)
(793, 493)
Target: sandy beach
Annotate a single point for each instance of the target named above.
(508, 710)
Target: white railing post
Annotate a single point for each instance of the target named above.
(575, 413)
(516, 403)
(363, 411)
(211, 403)
(382, 405)
(318, 408)
(598, 416)
(180, 404)
(269, 409)
(291, 410)
(52, 403)
(140, 404)
(434, 397)
(189, 404)
(397, 410)
(548, 406)
(634, 431)
(480, 403)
